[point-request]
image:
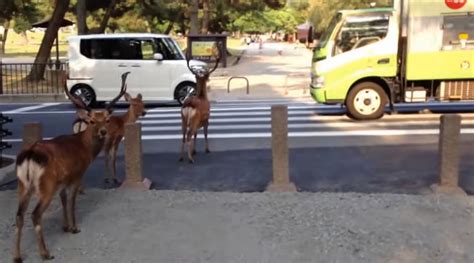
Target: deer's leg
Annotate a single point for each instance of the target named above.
(206, 125)
(183, 130)
(24, 199)
(107, 151)
(114, 160)
(194, 149)
(71, 205)
(37, 215)
(63, 195)
(191, 132)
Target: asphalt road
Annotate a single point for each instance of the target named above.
(328, 152)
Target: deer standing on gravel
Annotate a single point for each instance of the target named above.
(196, 110)
(115, 133)
(59, 164)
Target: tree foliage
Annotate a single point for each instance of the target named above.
(321, 11)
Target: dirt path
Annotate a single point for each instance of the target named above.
(167, 226)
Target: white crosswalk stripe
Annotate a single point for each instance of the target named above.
(253, 120)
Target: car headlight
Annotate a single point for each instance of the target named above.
(317, 82)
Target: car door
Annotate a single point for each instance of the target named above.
(152, 77)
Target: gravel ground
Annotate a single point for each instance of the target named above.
(182, 226)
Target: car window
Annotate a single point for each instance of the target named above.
(117, 48)
(168, 48)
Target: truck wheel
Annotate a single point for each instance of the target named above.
(86, 94)
(366, 101)
(184, 91)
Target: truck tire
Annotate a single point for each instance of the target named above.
(366, 101)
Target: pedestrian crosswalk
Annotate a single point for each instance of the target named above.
(252, 119)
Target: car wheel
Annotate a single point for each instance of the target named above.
(366, 101)
(85, 93)
(184, 91)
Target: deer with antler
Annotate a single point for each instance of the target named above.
(115, 134)
(196, 110)
(59, 164)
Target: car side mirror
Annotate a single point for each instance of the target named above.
(158, 56)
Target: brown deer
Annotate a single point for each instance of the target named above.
(59, 164)
(196, 110)
(115, 133)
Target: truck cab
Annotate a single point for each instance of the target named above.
(411, 52)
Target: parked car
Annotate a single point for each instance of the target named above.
(157, 65)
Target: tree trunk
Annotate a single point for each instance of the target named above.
(6, 25)
(206, 17)
(81, 12)
(107, 16)
(37, 71)
(169, 27)
(193, 17)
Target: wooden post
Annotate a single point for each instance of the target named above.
(133, 158)
(281, 179)
(32, 132)
(450, 130)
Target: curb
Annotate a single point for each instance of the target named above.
(7, 173)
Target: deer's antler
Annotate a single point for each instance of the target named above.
(74, 99)
(188, 58)
(123, 89)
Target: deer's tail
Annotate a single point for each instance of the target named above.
(30, 166)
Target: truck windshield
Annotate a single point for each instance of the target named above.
(327, 33)
(358, 31)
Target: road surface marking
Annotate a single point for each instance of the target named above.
(29, 108)
(373, 133)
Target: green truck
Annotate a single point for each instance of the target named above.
(416, 51)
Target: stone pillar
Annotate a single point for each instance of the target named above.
(133, 158)
(450, 130)
(32, 132)
(280, 163)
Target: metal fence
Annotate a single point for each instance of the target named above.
(14, 78)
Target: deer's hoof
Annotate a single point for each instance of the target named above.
(47, 257)
(116, 182)
(75, 230)
(72, 230)
(181, 159)
(207, 151)
(191, 161)
(17, 260)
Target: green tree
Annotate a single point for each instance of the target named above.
(37, 71)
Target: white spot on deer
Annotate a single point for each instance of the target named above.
(30, 172)
(188, 113)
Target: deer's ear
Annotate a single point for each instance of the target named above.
(127, 96)
(139, 96)
(83, 114)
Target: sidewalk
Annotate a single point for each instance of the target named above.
(270, 75)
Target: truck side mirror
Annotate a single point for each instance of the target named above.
(158, 56)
